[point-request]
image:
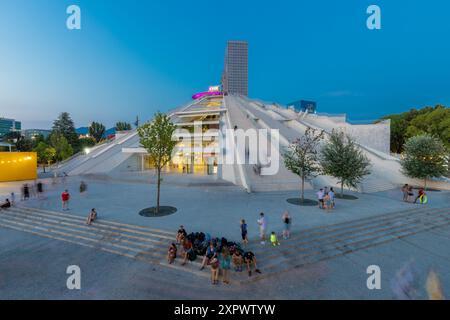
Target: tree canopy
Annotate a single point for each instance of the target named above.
(157, 138)
(425, 157)
(97, 131)
(123, 126)
(434, 121)
(64, 126)
(302, 156)
(343, 159)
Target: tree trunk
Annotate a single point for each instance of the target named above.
(342, 189)
(425, 186)
(303, 189)
(159, 188)
(44, 167)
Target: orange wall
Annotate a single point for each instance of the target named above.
(18, 166)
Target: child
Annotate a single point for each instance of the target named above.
(274, 239)
(172, 253)
(215, 267)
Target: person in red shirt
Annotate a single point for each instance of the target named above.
(65, 197)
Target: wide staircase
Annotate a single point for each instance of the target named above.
(303, 248)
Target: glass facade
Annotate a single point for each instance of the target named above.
(235, 76)
(9, 125)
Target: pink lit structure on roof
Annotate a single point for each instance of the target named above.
(213, 91)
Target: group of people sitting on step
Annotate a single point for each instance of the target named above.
(219, 254)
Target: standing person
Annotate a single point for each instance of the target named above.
(26, 192)
(225, 265)
(40, 189)
(244, 233)
(287, 220)
(215, 268)
(327, 202)
(91, 217)
(405, 192)
(83, 187)
(13, 198)
(332, 198)
(320, 196)
(410, 192)
(262, 228)
(65, 197)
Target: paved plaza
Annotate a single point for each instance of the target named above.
(34, 253)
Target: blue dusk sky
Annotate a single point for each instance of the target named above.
(135, 57)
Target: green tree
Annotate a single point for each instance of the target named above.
(434, 121)
(302, 157)
(87, 142)
(123, 126)
(46, 154)
(425, 157)
(97, 130)
(62, 147)
(343, 159)
(64, 126)
(156, 138)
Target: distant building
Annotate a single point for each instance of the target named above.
(9, 125)
(303, 106)
(33, 133)
(235, 73)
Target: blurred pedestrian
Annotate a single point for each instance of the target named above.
(65, 197)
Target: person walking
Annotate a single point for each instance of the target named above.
(65, 197)
(287, 220)
(91, 217)
(244, 233)
(262, 223)
(225, 265)
(320, 196)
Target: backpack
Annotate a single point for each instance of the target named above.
(192, 256)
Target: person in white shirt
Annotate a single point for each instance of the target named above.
(262, 228)
(320, 196)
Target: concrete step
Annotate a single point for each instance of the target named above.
(323, 243)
